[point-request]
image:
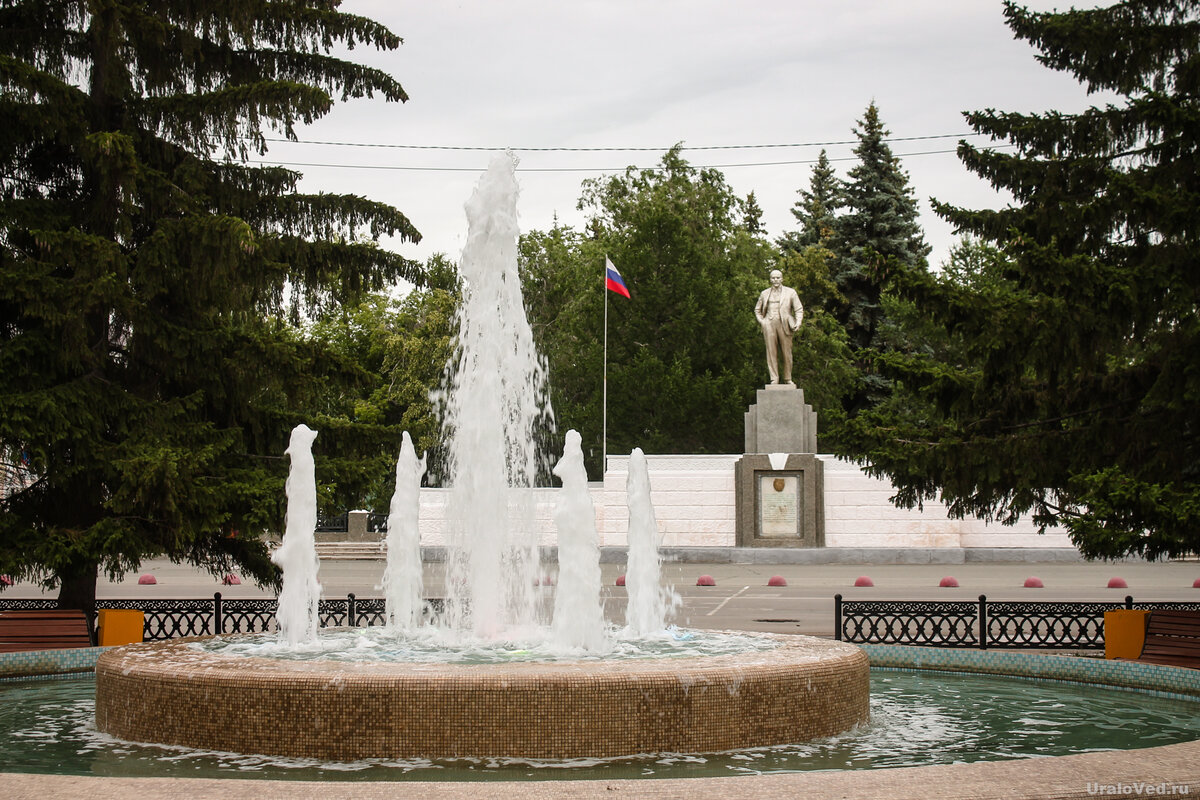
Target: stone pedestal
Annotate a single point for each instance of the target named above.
(781, 422)
(780, 500)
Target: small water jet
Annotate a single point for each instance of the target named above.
(650, 602)
(578, 618)
(573, 697)
(403, 583)
(297, 555)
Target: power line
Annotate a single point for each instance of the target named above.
(589, 169)
(610, 149)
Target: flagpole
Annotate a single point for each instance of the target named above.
(604, 424)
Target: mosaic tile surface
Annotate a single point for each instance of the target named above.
(1129, 674)
(41, 663)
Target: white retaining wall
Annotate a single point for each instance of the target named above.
(693, 498)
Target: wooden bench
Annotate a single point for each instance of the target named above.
(51, 629)
(1172, 638)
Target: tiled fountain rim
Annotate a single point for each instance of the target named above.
(1171, 682)
(1130, 771)
(349, 710)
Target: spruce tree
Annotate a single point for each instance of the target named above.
(1073, 391)
(752, 216)
(148, 273)
(815, 209)
(879, 223)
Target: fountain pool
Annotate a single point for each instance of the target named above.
(917, 718)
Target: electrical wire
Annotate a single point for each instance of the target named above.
(611, 149)
(590, 169)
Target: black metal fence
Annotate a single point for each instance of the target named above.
(171, 618)
(981, 624)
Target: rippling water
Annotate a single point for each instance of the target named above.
(917, 718)
(432, 645)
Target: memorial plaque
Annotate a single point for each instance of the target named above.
(779, 504)
(780, 500)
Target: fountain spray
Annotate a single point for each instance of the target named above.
(403, 585)
(492, 400)
(649, 601)
(578, 615)
(297, 555)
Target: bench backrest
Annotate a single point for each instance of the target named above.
(49, 629)
(1173, 638)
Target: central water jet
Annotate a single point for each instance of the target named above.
(493, 400)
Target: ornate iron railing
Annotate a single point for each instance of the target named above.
(172, 618)
(983, 624)
(333, 523)
(944, 624)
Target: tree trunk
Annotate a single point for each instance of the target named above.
(78, 589)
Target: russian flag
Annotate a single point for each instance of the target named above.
(612, 279)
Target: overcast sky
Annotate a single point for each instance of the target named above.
(649, 73)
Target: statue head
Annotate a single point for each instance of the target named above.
(776, 278)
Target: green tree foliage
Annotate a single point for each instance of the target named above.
(815, 210)
(151, 372)
(752, 215)
(879, 223)
(398, 350)
(685, 353)
(1069, 387)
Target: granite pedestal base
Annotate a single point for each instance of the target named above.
(780, 421)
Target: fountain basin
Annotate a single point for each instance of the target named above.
(170, 693)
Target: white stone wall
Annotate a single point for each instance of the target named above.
(859, 514)
(693, 498)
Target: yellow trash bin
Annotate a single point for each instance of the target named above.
(1124, 633)
(119, 626)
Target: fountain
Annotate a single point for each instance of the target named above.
(402, 579)
(297, 555)
(573, 697)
